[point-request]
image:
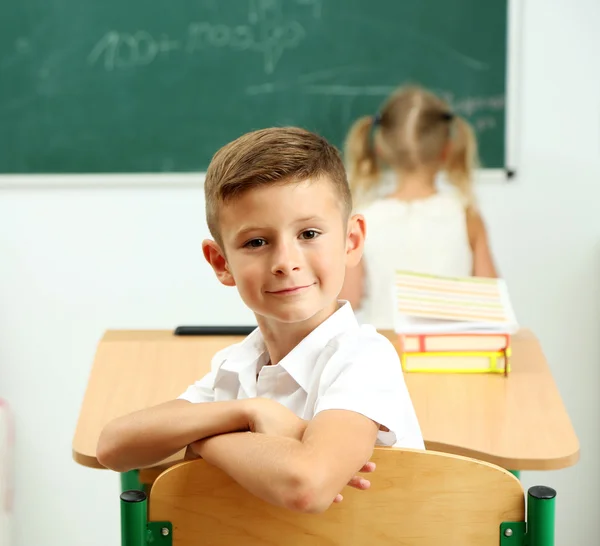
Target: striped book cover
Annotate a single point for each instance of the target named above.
(436, 304)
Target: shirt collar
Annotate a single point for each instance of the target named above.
(299, 362)
(246, 353)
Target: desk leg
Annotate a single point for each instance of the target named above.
(131, 480)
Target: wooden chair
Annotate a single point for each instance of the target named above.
(417, 498)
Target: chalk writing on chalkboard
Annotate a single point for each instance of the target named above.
(266, 32)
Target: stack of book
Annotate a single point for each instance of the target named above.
(453, 324)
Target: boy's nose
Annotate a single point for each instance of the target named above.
(285, 259)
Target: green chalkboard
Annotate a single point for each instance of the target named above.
(159, 86)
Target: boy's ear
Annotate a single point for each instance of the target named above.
(355, 239)
(216, 258)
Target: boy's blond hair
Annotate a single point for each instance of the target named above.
(271, 156)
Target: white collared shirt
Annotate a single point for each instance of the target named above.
(339, 365)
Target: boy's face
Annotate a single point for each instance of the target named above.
(286, 248)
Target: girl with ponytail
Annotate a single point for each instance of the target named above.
(416, 226)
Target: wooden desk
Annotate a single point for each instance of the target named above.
(519, 422)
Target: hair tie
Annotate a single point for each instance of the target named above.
(447, 116)
(376, 119)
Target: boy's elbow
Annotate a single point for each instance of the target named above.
(306, 494)
(309, 503)
(108, 452)
(109, 459)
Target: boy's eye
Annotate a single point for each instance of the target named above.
(309, 234)
(255, 243)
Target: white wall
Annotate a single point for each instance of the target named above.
(74, 263)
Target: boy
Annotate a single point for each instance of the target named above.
(316, 390)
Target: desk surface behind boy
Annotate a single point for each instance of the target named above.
(518, 422)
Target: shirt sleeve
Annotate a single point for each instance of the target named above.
(367, 378)
(204, 389)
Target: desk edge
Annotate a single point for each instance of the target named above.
(508, 463)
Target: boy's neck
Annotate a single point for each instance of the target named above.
(281, 337)
(418, 184)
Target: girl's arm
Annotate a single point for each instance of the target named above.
(354, 283)
(483, 263)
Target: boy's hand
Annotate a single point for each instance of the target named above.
(269, 417)
(357, 482)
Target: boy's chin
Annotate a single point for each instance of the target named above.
(296, 314)
(288, 316)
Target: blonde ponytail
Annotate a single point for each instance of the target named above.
(363, 165)
(415, 128)
(462, 159)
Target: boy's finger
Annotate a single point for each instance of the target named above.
(368, 467)
(338, 498)
(359, 483)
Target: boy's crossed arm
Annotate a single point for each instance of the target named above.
(303, 473)
(290, 462)
(149, 436)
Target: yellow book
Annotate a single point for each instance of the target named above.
(457, 362)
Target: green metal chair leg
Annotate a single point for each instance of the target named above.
(134, 518)
(516, 473)
(540, 516)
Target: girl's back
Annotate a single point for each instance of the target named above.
(414, 137)
(428, 235)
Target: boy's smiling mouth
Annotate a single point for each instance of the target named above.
(289, 291)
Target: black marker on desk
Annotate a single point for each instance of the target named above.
(213, 330)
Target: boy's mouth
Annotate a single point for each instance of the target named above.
(289, 291)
